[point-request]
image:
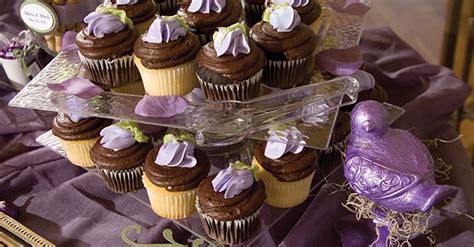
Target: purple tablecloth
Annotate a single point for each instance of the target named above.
(72, 207)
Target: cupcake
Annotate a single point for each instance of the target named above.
(172, 174)
(119, 156)
(288, 46)
(106, 46)
(253, 11)
(141, 12)
(330, 156)
(204, 17)
(165, 57)
(286, 167)
(308, 10)
(167, 7)
(229, 203)
(77, 136)
(230, 67)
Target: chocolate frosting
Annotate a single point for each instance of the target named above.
(110, 46)
(66, 129)
(342, 127)
(310, 12)
(127, 158)
(208, 23)
(139, 12)
(290, 167)
(240, 206)
(232, 69)
(165, 55)
(176, 178)
(299, 43)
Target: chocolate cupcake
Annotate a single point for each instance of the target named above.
(167, 7)
(286, 167)
(141, 12)
(253, 11)
(105, 48)
(331, 155)
(77, 136)
(288, 46)
(229, 204)
(165, 57)
(205, 16)
(173, 172)
(308, 10)
(230, 67)
(119, 156)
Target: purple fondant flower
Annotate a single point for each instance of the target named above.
(165, 29)
(281, 142)
(292, 3)
(176, 153)
(100, 24)
(233, 180)
(231, 40)
(126, 2)
(283, 18)
(206, 6)
(116, 138)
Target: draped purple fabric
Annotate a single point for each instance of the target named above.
(72, 207)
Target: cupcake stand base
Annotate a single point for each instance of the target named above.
(344, 31)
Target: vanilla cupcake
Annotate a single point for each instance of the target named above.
(119, 156)
(173, 172)
(231, 66)
(77, 136)
(141, 12)
(165, 56)
(288, 45)
(205, 16)
(286, 167)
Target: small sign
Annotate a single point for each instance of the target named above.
(38, 16)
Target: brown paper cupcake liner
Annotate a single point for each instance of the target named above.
(167, 7)
(204, 38)
(233, 231)
(331, 156)
(123, 181)
(285, 74)
(243, 90)
(253, 13)
(110, 73)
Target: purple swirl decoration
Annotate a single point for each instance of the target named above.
(176, 154)
(164, 30)
(281, 142)
(126, 2)
(206, 6)
(234, 42)
(101, 24)
(292, 3)
(116, 138)
(232, 181)
(284, 19)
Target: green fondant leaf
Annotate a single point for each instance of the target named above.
(135, 129)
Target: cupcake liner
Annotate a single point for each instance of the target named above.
(170, 205)
(143, 27)
(285, 74)
(123, 181)
(284, 194)
(168, 7)
(78, 152)
(331, 156)
(135, 88)
(178, 80)
(243, 90)
(110, 73)
(232, 231)
(205, 38)
(253, 13)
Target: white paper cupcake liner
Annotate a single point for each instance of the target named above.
(168, 7)
(331, 156)
(111, 73)
(285, 74)
(243, 90)
(123, 181)
(233, 231)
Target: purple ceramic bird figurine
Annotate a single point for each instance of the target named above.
(390, 166)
